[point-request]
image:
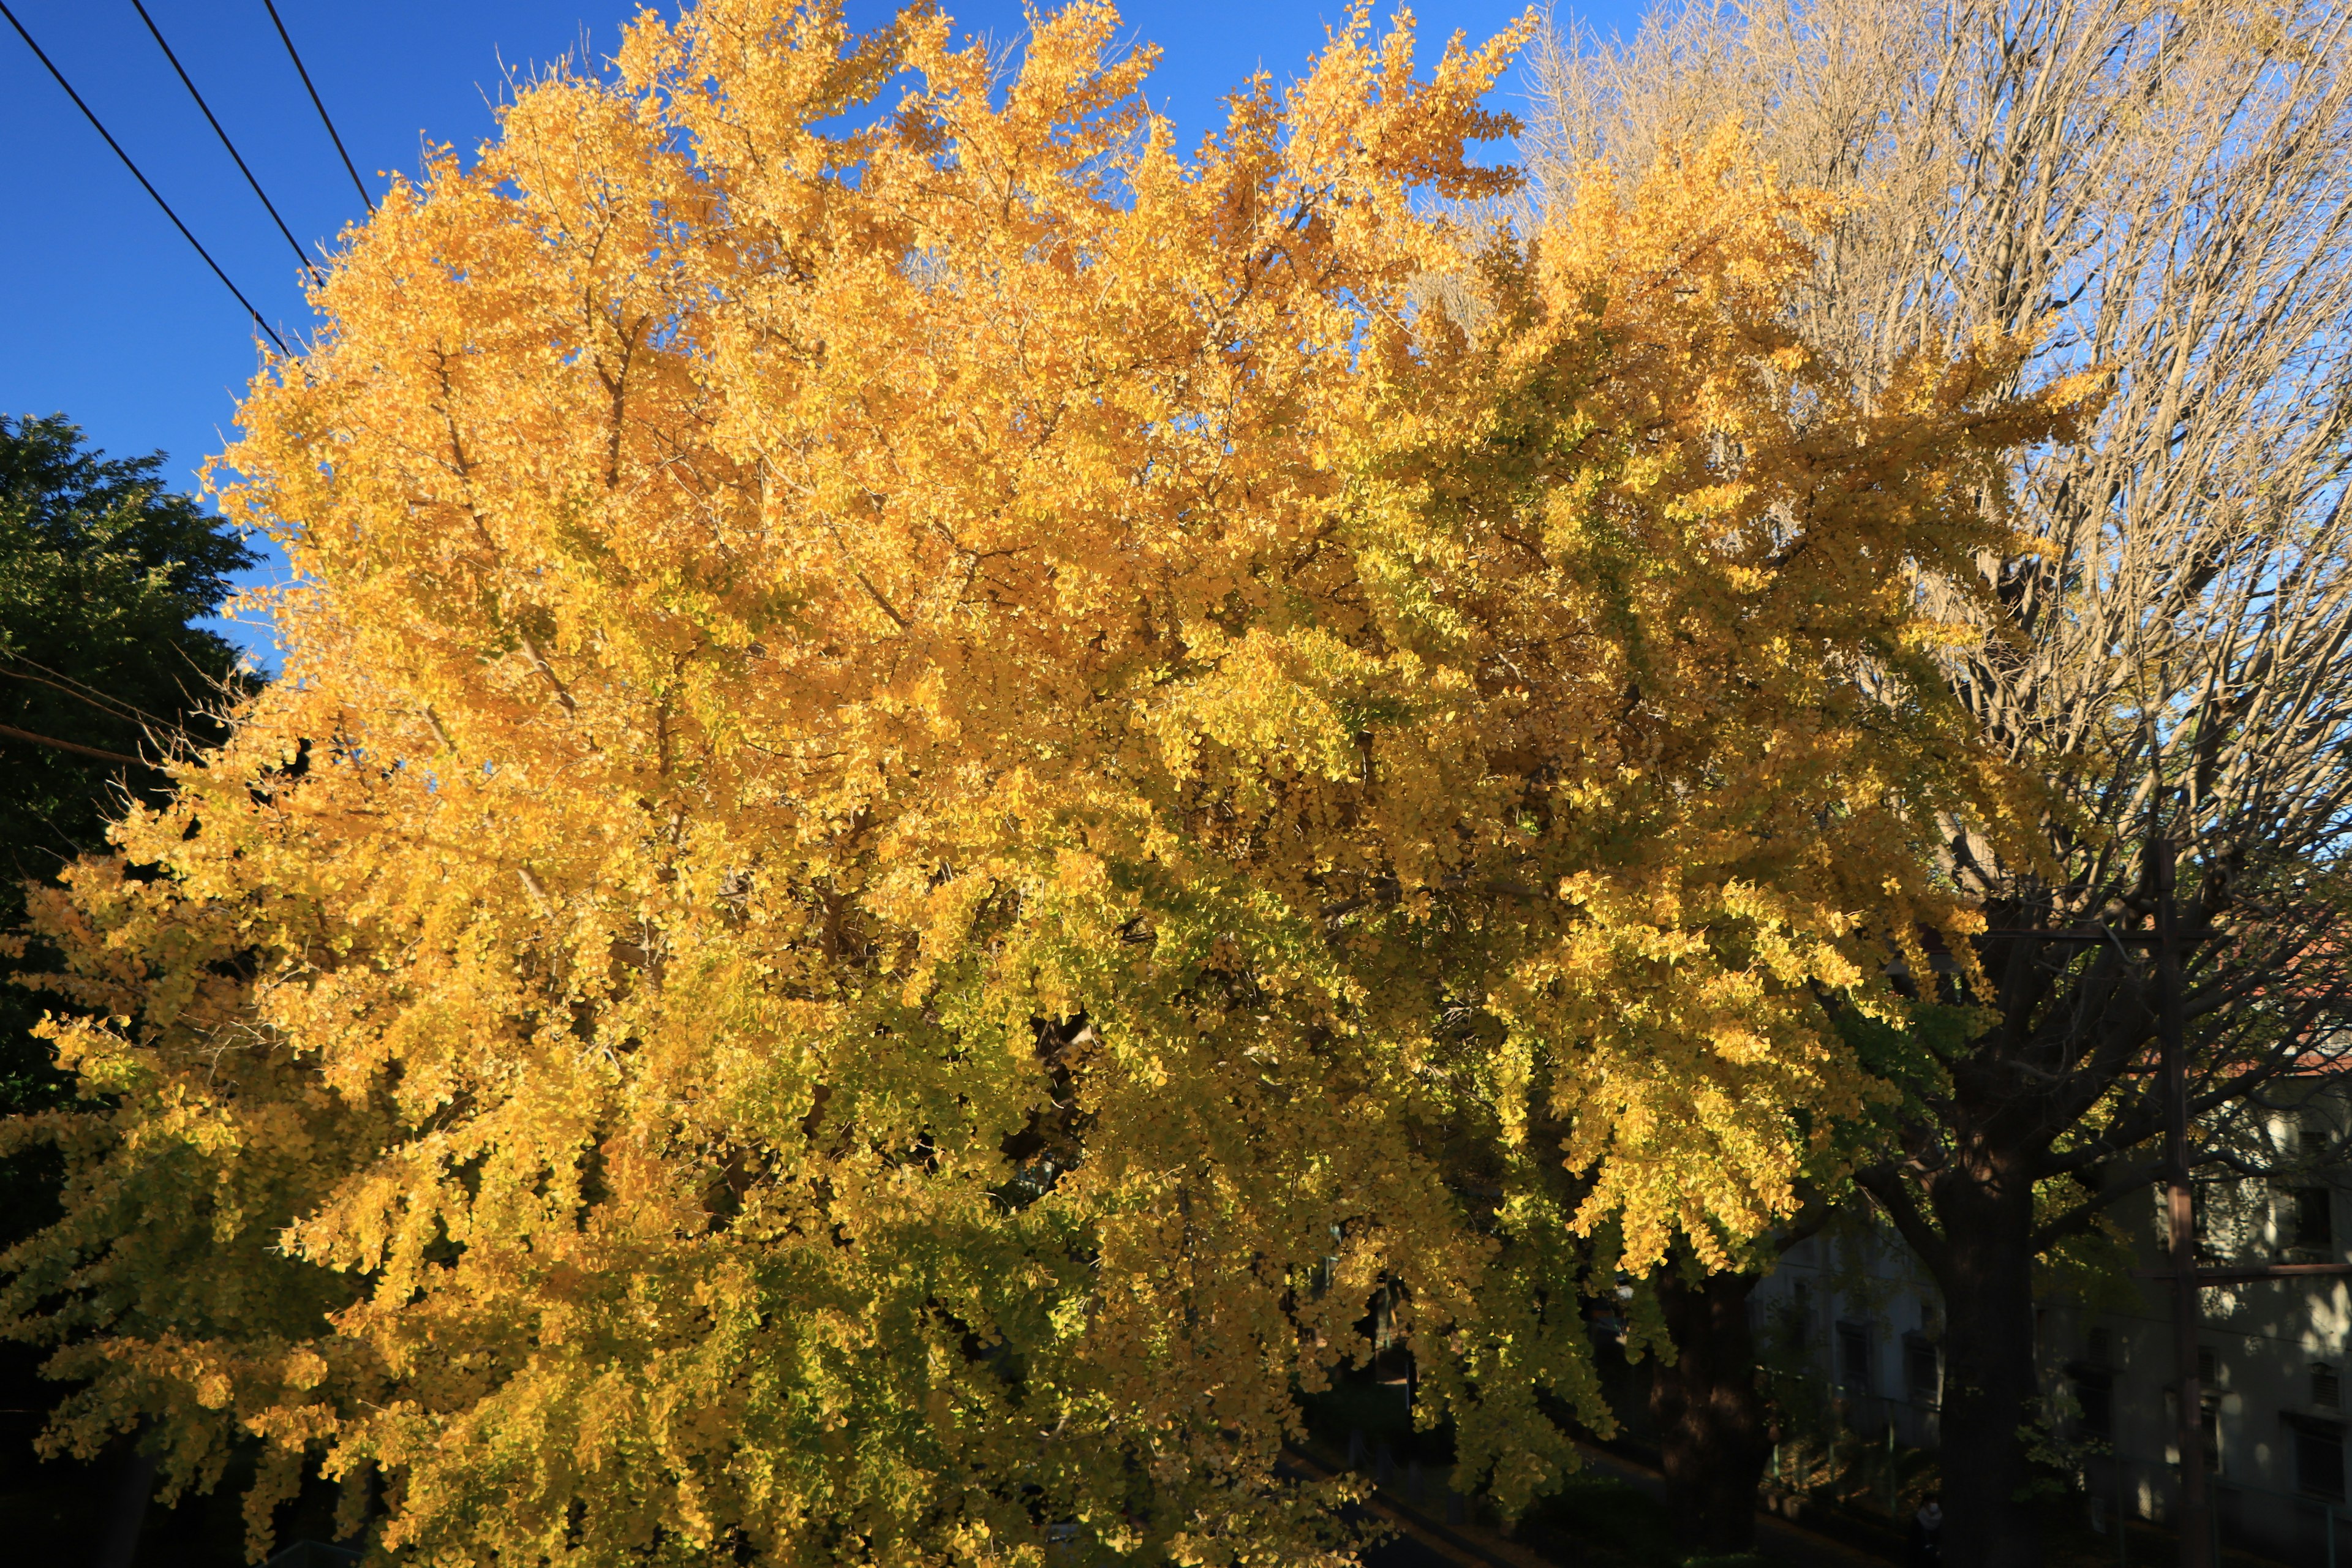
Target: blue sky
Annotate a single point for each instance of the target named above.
(113, 321)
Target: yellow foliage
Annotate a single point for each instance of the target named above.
(944, 777)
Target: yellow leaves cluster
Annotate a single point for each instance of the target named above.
(944, 777)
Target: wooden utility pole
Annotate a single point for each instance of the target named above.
(2197, 1536)
(2196, 1507)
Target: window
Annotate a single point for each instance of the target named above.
(1922, 1373)
(2200, 1211)
(2313, 1222)
(2092, 1380)
(1853, 1357)
(2313, 1133)
(2326, 1387)
(2319, 1459)
(2208, 1426)
(2207, 1421)
(2208, 1367)
(1797, 1320)
(2095, 1393)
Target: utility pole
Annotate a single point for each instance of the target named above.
(2196, 1523)
(2199, 1548)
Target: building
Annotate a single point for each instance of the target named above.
(1855, 1313)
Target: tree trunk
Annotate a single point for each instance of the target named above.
(1709, 1414)
(1990, 1387)
(116, 1534)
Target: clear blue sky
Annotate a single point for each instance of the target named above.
(113, 321)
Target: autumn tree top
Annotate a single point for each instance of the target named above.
(945, 773)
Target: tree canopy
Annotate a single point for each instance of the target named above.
(2160, 194)
(944, 777)
(103, 574)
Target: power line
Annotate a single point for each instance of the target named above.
(100, 753)
(157, 33)
(145, 183)
(286, 38)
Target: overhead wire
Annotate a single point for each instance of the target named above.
(295, 245)
(98, 126)
(113, 707)
(100, 753)
(316, 102)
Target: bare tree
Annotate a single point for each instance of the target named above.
(2159, 193)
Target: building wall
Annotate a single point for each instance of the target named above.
(1862, 1318)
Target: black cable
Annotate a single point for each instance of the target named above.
(284, 38)
(157, 34)
(143, 180)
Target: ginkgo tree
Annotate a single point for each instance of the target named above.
(946, 776)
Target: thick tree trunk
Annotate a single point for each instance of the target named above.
(116, 1534)
(1709, 1414)
(1991, 1387)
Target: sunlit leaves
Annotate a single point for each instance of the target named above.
(965, 775)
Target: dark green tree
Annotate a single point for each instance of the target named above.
(104, 672)
(104, 573)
